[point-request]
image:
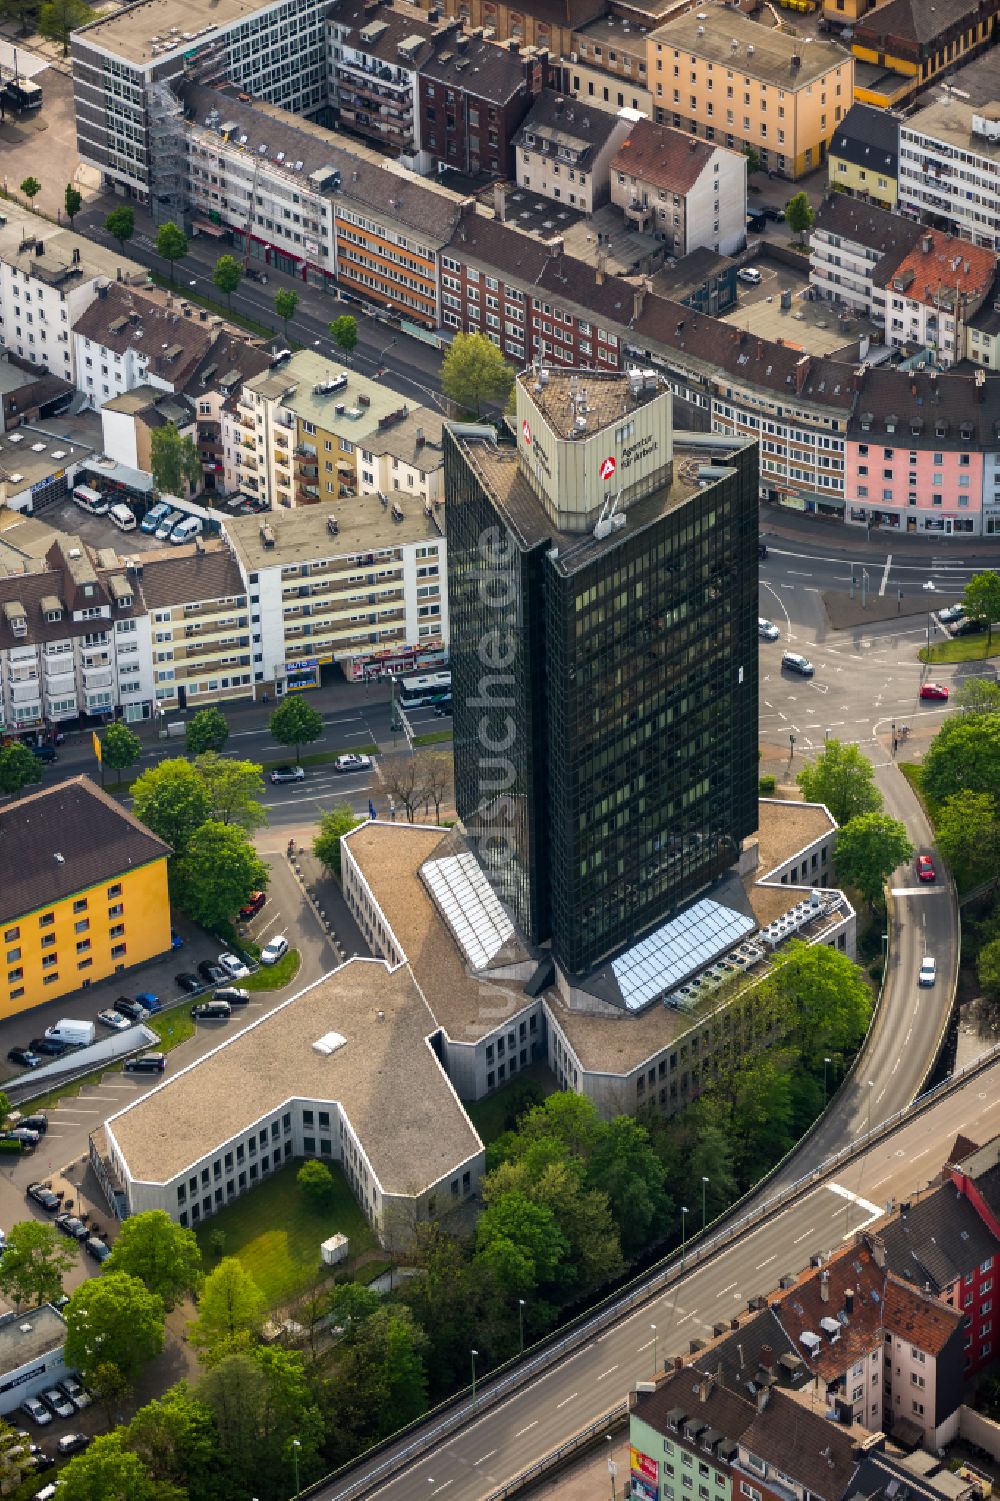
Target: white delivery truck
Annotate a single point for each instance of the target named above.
(73, 1033)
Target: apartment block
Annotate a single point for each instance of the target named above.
(74, 640)
(902, 45)
(738, 83)
(129, 421)
(949, 169)
(127, 65)
(929, 296)
(684, 191)
(49, 276)
(374, 54)
(563, 150)
(473, 95)
(84, 893)
(851, 243)
(864, 155)
(199, 623)
(407, 455)
(360, 583)
(126, 339)
(548, 24)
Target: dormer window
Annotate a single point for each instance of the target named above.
(53, 615)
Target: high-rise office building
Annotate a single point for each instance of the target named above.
(603, 598)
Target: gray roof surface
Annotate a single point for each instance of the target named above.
(868, 137)
(938, 1239)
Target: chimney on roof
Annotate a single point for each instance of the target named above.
(678, 1362)
(500, 202)
(734, 1323)
(802, 373)
(638, 298)
(766, 1358)
(926, 244)
(849, 1301)
(763, 1397)
(878, 1251)
(824, 1285)
(556, 247)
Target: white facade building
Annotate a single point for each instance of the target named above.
(949, 167)
(31, 1355)
(686, 192)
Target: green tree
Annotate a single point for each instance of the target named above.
(57, 19)
(382, 1379)
(474, 371)
(34, 1264)
(113, 1319)
(230, 1304)
(4, 1109)
(171, 244)
(968, 836)
(260, 1400)
(172, 800)
(73, 198)
(842, 778)
(519, 1240)
(753, 160)
(120, 224)
(964, 756)
(120, 747)
(285, 303)
(351, 1306)
(827, 1001)
(316, 1182)
(31, 188)
(625, 1168)
(18, 767)
(16, 1462)
(333, 825)
(217, 874)
(344, 333)
(22, 11)
(569, 1118)
(227, 275)
(294, 722)
(979, 696)
(760, 1114)
(109, 1387)
(107, 1471)
(869, 848)
(174, 459)
(981, 598)
(799, 214)
(160, 1253)
(208, 730)
(174, 1437)
(235, 789)
(988, 969)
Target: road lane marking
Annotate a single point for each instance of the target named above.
(610, 1370)
(687, 1316)
(805, 1234)
(566, 1399)
(927, 890)
(522, 1431)
(766, 1263)
(885, 575)
(441, 1488)
(725, 1290)
(646, 1345)
(845, 1193)
(484, 1458)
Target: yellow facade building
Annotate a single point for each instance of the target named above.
(83, 895)
(864, 156)
(740, 83)
(903, 45)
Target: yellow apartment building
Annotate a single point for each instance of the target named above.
(902, 46)
(863, 156)
(83, 895)
(739, 83)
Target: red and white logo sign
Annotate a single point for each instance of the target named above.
(608, 467)
(526, 431)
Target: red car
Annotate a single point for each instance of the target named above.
(933, 690)
(925, 868)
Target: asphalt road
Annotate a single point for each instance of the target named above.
(501, 1442)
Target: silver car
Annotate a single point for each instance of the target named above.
(767, 630)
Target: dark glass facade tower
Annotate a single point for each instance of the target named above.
(605, 696)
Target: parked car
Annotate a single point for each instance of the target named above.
(129, 1008)
(115, 1020)
(60, 1404)
(968, 627)
(97, 1249)
(233, 995)
(212, 1011)
(23, 1057)
(950, 613)
(928, 972)
(352, 763)
(253, 906)
(233, 966)
(72, 1443)
(145, 1063)
(23, 1134)
(50, 1046)
(37, 1122)
(72, 1385)
(287, 774)
(45, 752)
(68, 1224)
(167, 525)
(750, 275)
(767, 630)
(187, 981)
(154, 516)
(42, 1196)
(796, 663)
(776, 215)
(933, 690)
(149, 1002)
(212, 973)
(41, 1461)
(36, 1411)
(275, 950)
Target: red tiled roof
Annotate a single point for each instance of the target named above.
(926, 1322)
(800, 1309)
(948, 266)
(666, 157)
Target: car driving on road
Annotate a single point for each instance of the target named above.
(353, 763)
(933, 690)
(925, 868)
(767, 630)
(287, 774)
(928, 972)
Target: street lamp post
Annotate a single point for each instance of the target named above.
(612, 1467)
(826, 1065)
(704, 1186)
(520, 1324)
(296, 1446)
(791, 747)
(474, 1353)
(685, 1211)
(653, 1327)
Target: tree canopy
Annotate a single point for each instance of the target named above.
(34, 1264)
(285, 303)
(172, 800)
(19, 766)
(161, 1254)
(981, 598)
(964, 756)
(230, 1304)
(828, 1003)
(172, 244)
(235, 789)
(333, 825)
(843, 778)
(113, 1318)
(57, 19)
(295, 723)
(344, 333)
(208, 730)
(799, 213)
(227, 275)
(120, 747)
(174, 460)
(217, 874)
(106, 1471)
(869, 849)
(968, 836)
(120, 224)
(474, 371)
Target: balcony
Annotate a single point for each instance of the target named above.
(96, 677)
(26, 692)
(638, 213)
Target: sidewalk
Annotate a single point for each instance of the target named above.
(853, 542)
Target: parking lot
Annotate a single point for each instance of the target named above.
(814, 326)
(98, 531)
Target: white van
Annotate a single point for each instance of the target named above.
(90, 500)
(123, 518)
(187, 530)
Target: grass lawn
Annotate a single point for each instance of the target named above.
(276, 1233)
(274, 976)
(962, 649)
(498, 1112)
(435, 737)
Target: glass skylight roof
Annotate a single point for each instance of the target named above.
(470, 906)
(669, 955)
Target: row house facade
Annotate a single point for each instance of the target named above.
(949, 168)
